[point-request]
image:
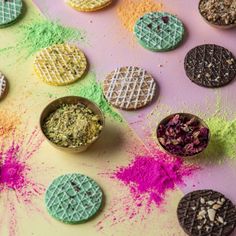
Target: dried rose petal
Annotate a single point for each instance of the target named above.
(183, 136)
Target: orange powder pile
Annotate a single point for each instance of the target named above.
(129, 11)
(8, 123)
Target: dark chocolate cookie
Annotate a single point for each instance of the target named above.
(210, 65)
(206, 212)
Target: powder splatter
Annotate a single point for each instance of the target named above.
(43, 33)
(129, 11)
(92, 90)
(8, 123)
(223, 137)
(17, 184)
(149, 178)
(153, 176)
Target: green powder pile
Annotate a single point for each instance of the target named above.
(91, 90)
(223, 137)
(43, 33)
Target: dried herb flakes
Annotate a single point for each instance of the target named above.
(72, 126)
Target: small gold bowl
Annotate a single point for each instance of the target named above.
(218, 26)
(189, 116)
(54, 105)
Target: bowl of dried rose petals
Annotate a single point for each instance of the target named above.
(183, 135)
(219, 14)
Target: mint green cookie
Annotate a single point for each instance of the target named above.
(73, 198)
(159, 31)
(10, 10)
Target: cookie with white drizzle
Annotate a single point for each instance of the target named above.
(88, 5)
(206, 212)
(10, 11)
(129, 88)
(60, 64)
(159, 31)
(73, 198)
(3, 86)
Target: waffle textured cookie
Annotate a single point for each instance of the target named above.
(159, 31)
(60, 64)
(88, 5)
(210, 65)
(129, 88)
(10, 10)
(3, 86)
(205, 213)
(73, 198)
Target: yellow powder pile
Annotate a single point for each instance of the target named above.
(129, 11)
(8, 123)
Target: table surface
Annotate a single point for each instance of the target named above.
(109, 46)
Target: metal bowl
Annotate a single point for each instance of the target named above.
(188, 115)
(230, 26)
(54, 105)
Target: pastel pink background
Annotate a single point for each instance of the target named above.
(110, 46)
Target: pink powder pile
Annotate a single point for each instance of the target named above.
(153, 176)
(148, 177)
(17, 176)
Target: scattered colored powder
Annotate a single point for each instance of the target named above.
(223, 137)
(148, 178)
(17, 177)
(92, 90)
(153, 176)
(8, 123)
(41, 34)
(129, 11)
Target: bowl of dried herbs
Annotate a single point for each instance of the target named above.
(72, 123)
(183, 135)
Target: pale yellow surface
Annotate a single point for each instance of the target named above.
(30, 95)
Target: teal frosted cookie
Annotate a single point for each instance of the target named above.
(10, 10)
(73, 198)
(159, 31)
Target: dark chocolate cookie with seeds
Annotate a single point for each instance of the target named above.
(206, 213)
(210, 65)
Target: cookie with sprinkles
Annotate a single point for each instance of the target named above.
(159, 31)
(129, 88)
(88, 5)
(206, 212)
(210, 65)
(3, 86)
(10, 10)
(73, 198)
(60, 64)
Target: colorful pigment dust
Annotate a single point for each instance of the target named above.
(153, 176)
(17, 184)
(148, 179)
(129, 11)
(223, 137)
(92, 90)
(8, 123)
(43, 33)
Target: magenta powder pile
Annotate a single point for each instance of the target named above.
(153, 176)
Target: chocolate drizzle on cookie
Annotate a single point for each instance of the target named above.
(206, 212)
(210, 65)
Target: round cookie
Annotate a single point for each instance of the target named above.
(159, 31)
(9, 11)
(73, 198)
(3, 86)
(206, 212)
(210, 65)
(129, 88)
(88, 5)
(60, 64)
